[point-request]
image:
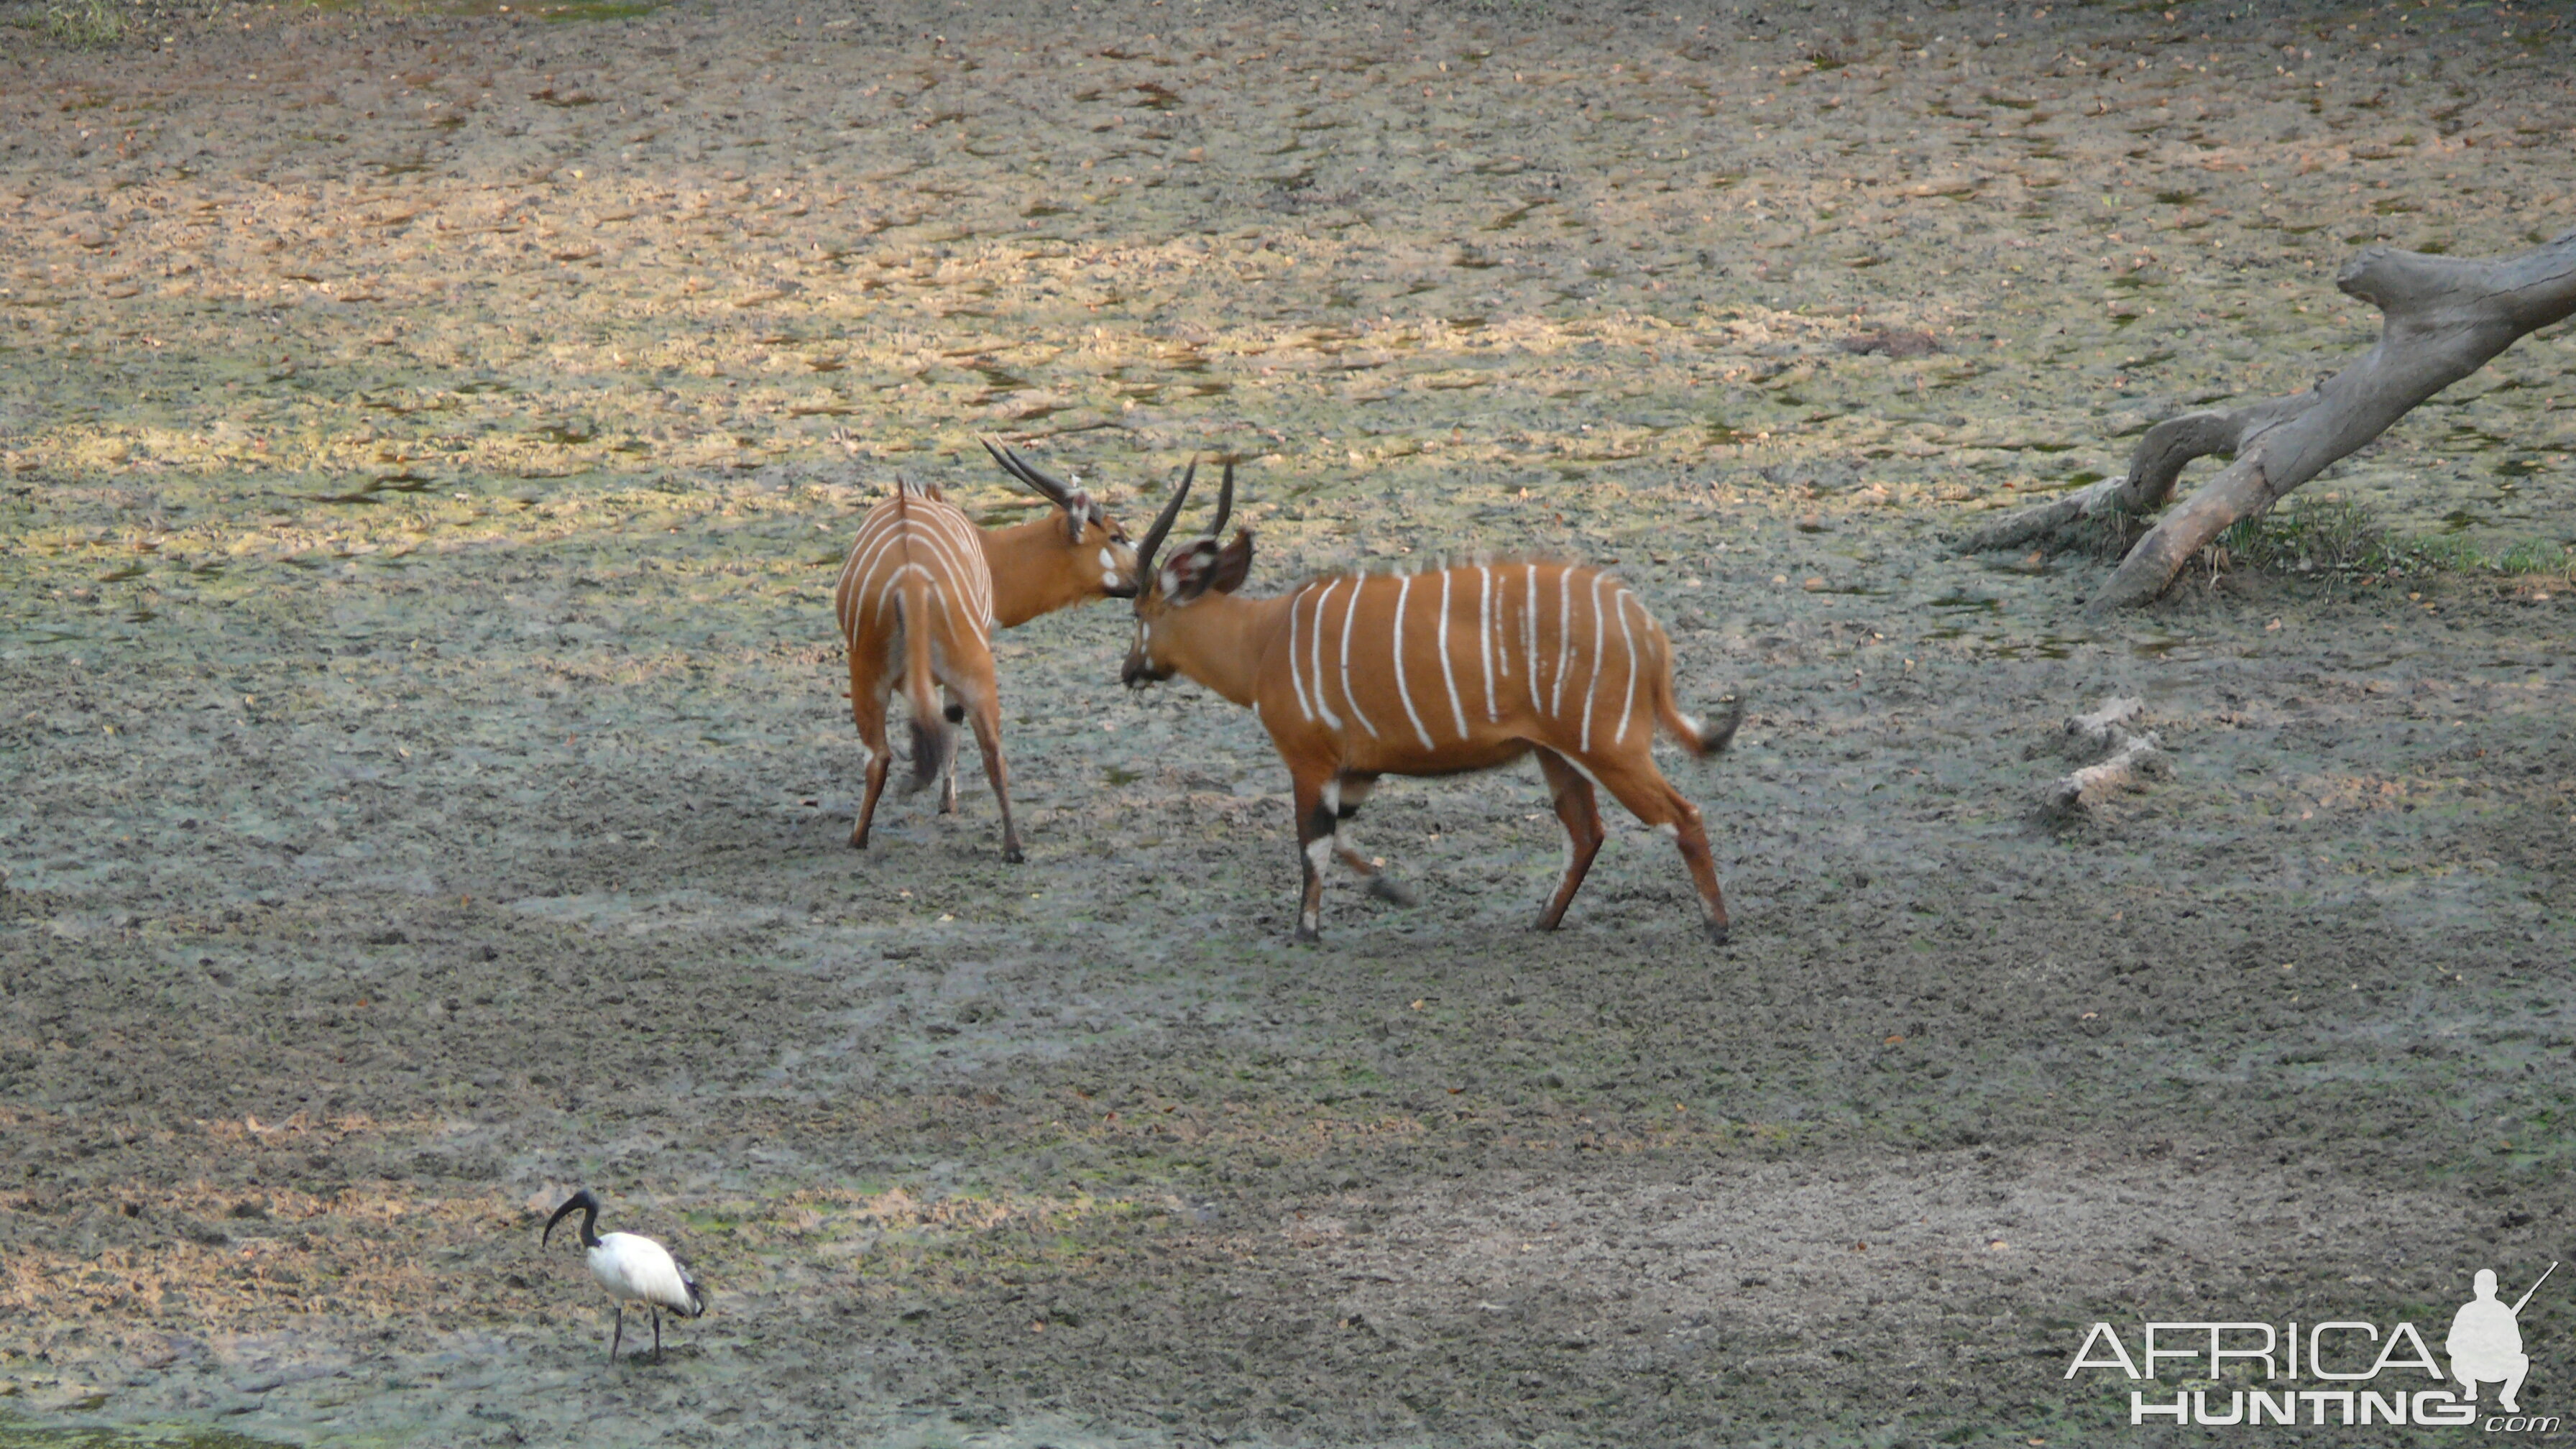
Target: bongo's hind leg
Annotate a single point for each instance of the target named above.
(954, 709)
(1579, 811)
(1634, 782)
(987, 715)
(867, 710)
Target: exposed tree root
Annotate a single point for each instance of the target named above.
(2445, 317)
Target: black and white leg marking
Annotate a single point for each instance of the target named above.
(1344, 795)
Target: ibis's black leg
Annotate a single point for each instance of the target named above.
(657, 1333)
(619, 1336)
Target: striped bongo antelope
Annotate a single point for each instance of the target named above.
(918, 601)
(1435, 673)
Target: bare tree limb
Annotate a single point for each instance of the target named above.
(2157, 461)
(2101, 731)
(2125, 759)
(2445, 317)
(2138, 759)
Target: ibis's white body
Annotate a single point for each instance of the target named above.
(630, 1267)
(635, 1267)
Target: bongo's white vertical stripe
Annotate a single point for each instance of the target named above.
(929, 531)
(1485, 637)
(1351, 616)
(1529, 628)
(1296, 679)
(915, 537)
(1404, 586)
(1331, 721)
(1448, 668)
(1564, 641)
(1592, 676)
(1627, 653)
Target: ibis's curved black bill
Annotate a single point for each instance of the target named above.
(584, 1202)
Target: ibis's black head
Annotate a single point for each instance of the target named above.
(584, 1202)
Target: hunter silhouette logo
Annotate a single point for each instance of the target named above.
(2485, 1344)
(2362, 1373)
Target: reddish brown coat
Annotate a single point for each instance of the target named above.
(1459, 668)
(919, 598)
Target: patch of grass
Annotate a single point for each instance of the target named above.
(2534, 556)
(16, 1434)
(2107, 534)
(2341, 538)
(586, 10)
(2305, 535)
(82, 22)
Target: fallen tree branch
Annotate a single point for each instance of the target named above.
(2445, 317)
(2154, 465)
(2138, 758)
(2100, 732)
(2130, 758)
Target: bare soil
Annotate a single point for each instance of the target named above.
(426, 786)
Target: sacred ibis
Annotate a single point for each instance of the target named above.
(630, 1267)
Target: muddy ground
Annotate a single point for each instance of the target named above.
(426, 785)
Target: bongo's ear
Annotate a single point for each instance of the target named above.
(1188, 573)
(1233, 563)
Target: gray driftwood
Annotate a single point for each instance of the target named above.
(2123, 759)
(2444, 318)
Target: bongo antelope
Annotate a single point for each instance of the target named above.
(630, 1267)
(1435, 673)
(918, 601)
